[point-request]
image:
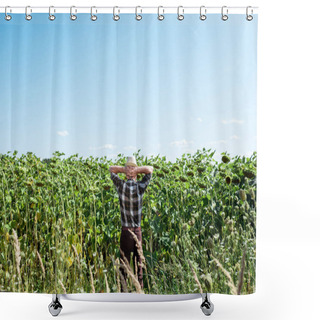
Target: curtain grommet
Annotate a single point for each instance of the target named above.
(93, 16)
(116, 17)
(52, 16)
(6, 15)
(138, 16)
(249, 17)
(224, 16)
(28, 15)
(203, 16)
(73, 16)
(180, 15)
(160, 16)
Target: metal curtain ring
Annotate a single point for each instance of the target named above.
(138, 16)
(203, 15)
(224, 16)
(180, 15)
(116, 17)
(249, 16)
(160, 16)
(73, 17)
(93, 16)
(51, 16)
(28, 15)
(6, 15)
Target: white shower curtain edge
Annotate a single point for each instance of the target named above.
(129, 297)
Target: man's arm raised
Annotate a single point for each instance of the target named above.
(144, 169)
(117, 169)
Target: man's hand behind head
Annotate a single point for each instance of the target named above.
(131, 172)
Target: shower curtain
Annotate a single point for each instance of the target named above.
(128, 155)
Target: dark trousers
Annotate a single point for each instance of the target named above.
(128, 245)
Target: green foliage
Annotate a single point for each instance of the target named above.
(65, 212)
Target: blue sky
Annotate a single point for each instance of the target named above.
(103, 88)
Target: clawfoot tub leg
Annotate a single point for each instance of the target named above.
(55, 306)
(206, 305)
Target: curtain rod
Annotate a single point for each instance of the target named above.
(124, 9)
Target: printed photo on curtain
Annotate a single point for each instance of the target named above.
(128, 154)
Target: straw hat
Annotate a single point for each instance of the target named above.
(131, 161)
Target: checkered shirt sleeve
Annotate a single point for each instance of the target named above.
(144, 182)
(118, 182)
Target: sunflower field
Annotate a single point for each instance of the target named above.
(60, 224)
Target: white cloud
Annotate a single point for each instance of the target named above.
(182, 143)
(213, 143)
(113, 155)
(105, 146)
(108, 146)
(196, 118)
(130, 148)
(234, 137)
(63, 133)
(232, 121)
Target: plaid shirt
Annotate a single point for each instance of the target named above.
(130, 196)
